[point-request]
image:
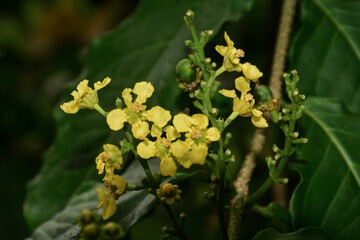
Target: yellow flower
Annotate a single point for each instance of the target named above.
(160, 148)
(134, 110)
(194, 149)
(231, 55)
(168, 193)
(85, 97)
(110, 159)
(244, 104)
(117, 185)
(251, 72)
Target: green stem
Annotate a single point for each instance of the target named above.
(199, 48)
(220, 71)
(287, 152)
(220, 200)
(100, 110)
(179, 230)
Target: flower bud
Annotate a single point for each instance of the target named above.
(185, 71)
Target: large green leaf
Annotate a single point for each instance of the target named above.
(145, 47)
(329, 193)
(301, 234)
(326, 51)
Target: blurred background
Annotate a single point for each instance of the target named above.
(42, 46)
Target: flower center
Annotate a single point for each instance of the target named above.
(195, 134)
(248, 97)
(136, 108)
(240, 53)
(105, 156)
(168, 190)
(166, 142)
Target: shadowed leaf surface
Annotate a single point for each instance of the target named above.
(326, 50)
(329, 193)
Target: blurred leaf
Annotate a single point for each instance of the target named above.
(130, 207)
(329, 193)
(145, 47)
(326, 50)
(301, 234)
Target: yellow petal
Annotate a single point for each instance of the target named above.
(228, 93)
(242, 85)
(126, 95)
(146, 149)
(116, 119)
(70, 107)
(185, 160)
(198, 153)
(228, 40)
(243, 107)
(159, 116)
(201, 120)
(251, 72)
(213, 134)
(221, 49)
(183, 122)
(179, 148)
(109, 208)
(258, 120)
(167, 166)
(140, 129)
(156, 131)
(102, 195)
(171, 133)
(143, 90)
(120, 184)
(99, 85)
(83, 87)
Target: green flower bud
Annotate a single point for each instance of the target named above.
(185, 71)
(113, 230)
(86, 217)
(263, 94)
(90, 231)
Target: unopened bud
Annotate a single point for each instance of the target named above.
(228, 152)
(302, 96)
(305, 140)
(213, 64)
(296, 134)
(296, 92)
(228, 135)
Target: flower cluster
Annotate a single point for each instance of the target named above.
(245, 104)
(169, 144)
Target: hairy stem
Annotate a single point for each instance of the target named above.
(281, 46)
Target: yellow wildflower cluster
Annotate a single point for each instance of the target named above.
(84, 97)
(245, 104)
(192, 150)
(109, 160)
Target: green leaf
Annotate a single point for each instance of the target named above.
(326, 50)
(146, 47)
(329, 193)
(130, 207)
(301, 234)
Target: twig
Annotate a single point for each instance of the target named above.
(244, 176)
